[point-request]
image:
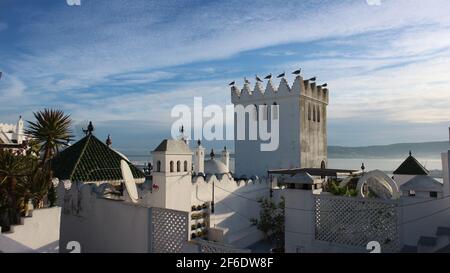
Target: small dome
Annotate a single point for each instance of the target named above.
(214, 166)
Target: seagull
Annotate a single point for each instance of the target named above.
(297, 72)
(313, 79)
(232, 83)
(281, 75)
(324, 85)
(257, 78)
(268, 77)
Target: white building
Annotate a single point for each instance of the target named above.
(12, 135)
(302, 121)
(218, 203)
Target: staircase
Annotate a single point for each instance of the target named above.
(430, 244)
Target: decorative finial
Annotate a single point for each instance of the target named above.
(199, 142)
(90, 128)
(363, 167)
(224, 148)
(212, 153)
(109, 140)
(246, 81)
(410, 153)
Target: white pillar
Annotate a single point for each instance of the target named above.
(445, 156)
(299, 220)
(19, 131)
(226, 157)
(199, 163)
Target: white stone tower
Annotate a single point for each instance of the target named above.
(226, 157)
(199, 157)
(302, 116)
(172, 161)
(19, 133)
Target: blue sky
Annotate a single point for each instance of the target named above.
(124, 64)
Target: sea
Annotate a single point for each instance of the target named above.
(434, 165)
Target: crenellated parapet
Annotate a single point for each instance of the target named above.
(299, 87)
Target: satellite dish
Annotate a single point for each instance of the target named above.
(129, 181)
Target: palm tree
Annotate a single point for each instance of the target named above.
(51, 130)
(13, 170)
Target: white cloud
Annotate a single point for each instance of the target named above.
(373, 2)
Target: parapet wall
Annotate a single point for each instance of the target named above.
(299, 87)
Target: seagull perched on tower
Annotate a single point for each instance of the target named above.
(268, 77)
(257, 78)
(281, 75)
(232, 83)
(297, 72)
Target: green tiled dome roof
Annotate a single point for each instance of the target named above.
(411, 167)
(90, 160)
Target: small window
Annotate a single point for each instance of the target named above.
(412, 193)
(178, 166)
(318, 113)
(314, 113)
(158, 166)
(434, 194)
(275, 111)
(171, 166)
(309, 111)
(185, 166)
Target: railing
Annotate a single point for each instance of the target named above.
(355, 221)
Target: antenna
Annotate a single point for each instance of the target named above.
(129, 181)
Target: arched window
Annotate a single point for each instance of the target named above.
(178, 166)
(255, 114)
(309, 111)
(318, 113)
(275, 111)
(158, 166)
(185, 166)
(171, 166)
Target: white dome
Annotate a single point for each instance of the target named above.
(213, 166)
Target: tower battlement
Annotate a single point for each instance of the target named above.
(299, 87)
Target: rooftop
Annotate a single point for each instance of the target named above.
(173, 146)
(90, 160)
(411, 167)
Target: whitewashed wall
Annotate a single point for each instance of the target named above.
(39, 233)
(235, 204)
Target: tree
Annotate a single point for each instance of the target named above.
(13, 171)
(271, 221)
(52, 130)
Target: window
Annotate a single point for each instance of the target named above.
(309, 111)
(255, 114)
(314, 113)
(178, 166)
(185, 166)
(433, 194)
(318, 113)
(275, 111)
(412, 193)
(158, 166)
(171, 166)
